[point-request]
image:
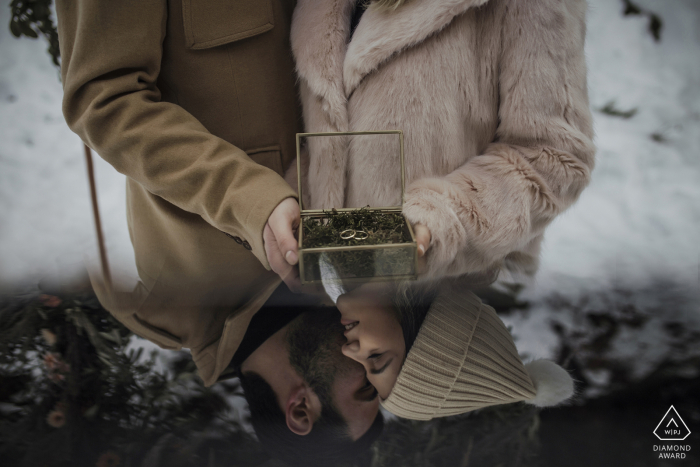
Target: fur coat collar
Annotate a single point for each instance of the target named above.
(491, 96)
(333, 68)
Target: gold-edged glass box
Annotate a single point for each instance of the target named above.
(358, 242)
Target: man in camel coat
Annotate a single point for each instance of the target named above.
(196, 103)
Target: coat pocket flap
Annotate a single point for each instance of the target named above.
(211, 23)
(270, 157)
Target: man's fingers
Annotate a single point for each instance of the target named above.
(288, 273)
(422, 238)
(286, 242)
(283, 221)
(272, 251)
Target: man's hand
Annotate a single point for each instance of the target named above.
(280, 242)
(423, 237)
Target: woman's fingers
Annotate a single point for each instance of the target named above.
(422, 238)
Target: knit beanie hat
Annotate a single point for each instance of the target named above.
(463, 359)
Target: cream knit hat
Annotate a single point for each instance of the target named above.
(463, 359)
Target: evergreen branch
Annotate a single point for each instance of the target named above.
(33, 17)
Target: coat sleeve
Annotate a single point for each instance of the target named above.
(496, 206)
(111, 54)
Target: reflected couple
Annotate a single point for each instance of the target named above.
(435, 351)
(314, 374)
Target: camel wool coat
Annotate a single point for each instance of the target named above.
(492, 98)
(195, 101)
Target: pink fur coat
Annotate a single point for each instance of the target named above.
(492, 98)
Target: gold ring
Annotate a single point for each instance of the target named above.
(345, 236)
(361, 232)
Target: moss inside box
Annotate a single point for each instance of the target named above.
(379, 228)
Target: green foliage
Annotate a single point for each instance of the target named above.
(73, 394)
(33, 17)
(379, 228)
(610, 109)
(655, 24)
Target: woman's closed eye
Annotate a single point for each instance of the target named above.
(376, 362)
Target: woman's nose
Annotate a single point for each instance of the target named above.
(351, 348)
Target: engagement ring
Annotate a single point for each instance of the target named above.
(347, 234)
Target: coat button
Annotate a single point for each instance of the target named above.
(238, 240)
(246, 245)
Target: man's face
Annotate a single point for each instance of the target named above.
(315, 341)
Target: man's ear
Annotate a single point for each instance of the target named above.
(302, 410)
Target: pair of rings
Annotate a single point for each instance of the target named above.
(352, 233)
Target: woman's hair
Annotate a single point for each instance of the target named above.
(387, 4)
(411, 303)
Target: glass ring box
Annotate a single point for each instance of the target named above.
(363, 243)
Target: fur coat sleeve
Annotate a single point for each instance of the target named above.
(492, 210)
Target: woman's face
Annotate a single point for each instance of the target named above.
(373, 333)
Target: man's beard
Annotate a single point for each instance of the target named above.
(314, 341)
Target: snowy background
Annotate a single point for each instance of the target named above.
(632, 240)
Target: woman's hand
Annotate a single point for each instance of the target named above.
(422, 239)
(423, 242)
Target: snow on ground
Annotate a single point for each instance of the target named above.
(636, 226)
(640, 217)
(46, 227)
(633, 238)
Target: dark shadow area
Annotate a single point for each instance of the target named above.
(617, 430)
(74, 392)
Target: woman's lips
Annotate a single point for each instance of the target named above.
(346, 321)
(350, 325)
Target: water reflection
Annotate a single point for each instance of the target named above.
(75, 391)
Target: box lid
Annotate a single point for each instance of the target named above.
(399, 142)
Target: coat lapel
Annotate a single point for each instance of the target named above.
(381, 34)
(319, 35)
(333, 68)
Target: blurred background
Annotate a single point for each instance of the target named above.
(616, 301)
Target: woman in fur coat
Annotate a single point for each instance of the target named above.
(492, 98)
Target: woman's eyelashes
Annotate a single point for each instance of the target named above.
(375, 356)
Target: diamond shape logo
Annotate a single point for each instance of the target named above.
(671, 427)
